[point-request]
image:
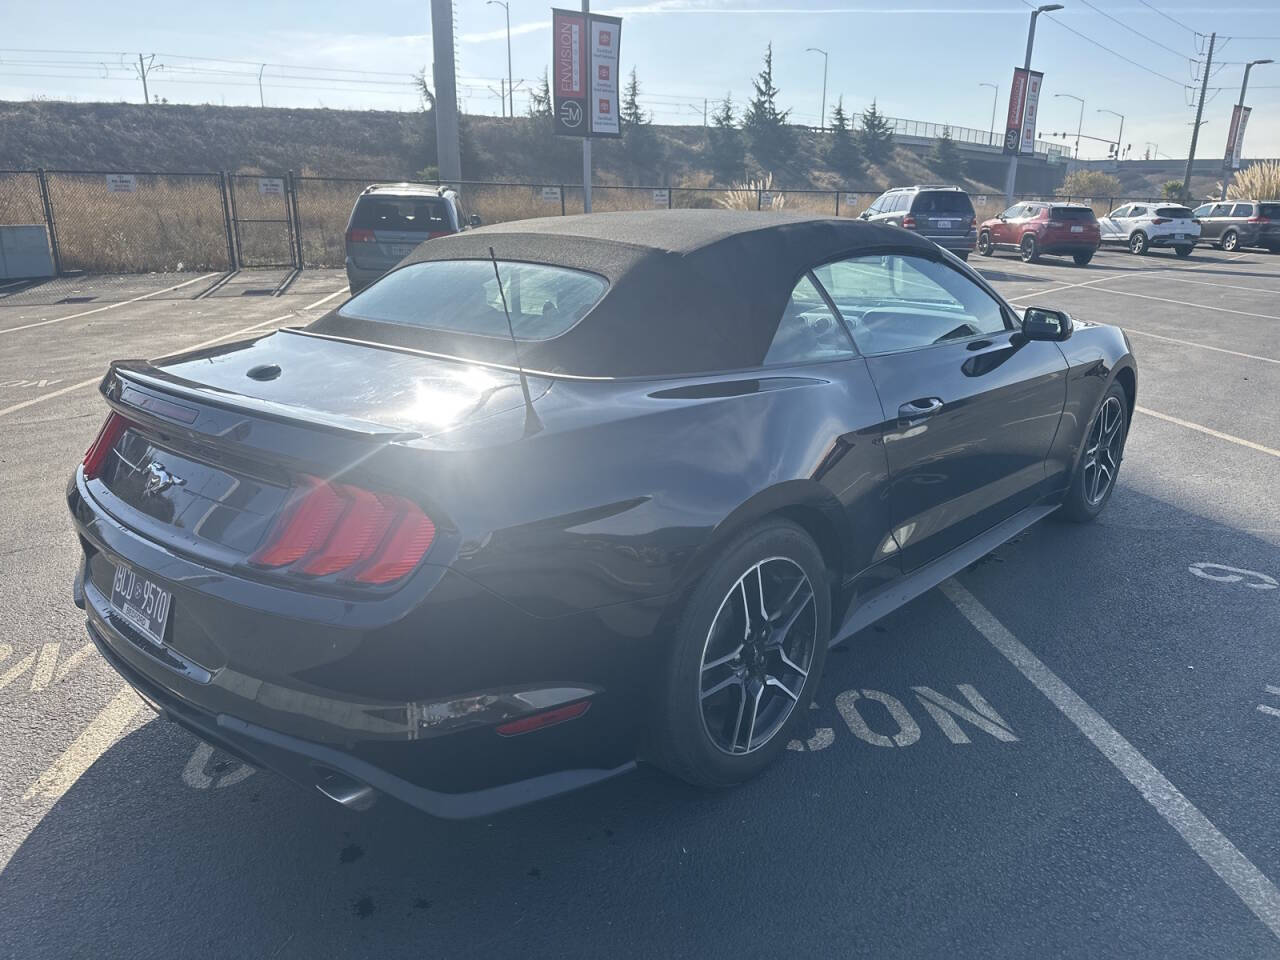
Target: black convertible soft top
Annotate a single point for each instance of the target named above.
(689, 290)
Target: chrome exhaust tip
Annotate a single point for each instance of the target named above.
(348, 791)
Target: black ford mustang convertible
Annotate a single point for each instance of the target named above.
(554, 496)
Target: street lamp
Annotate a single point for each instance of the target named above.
(1012, 176)
(511, 93)
(1080, 124)
(995, 95)
(1120, 135)
(1226, 159)
(823, 124)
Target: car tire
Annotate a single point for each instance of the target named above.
(1095, 474)
(984, 244)
(1138, 243)
(693, 728)
(1183, 251)
(1082, 259)
(1230, 241)
(1028, 249)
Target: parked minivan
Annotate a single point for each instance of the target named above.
(943, 214)
(389, 220)
(1232, 224)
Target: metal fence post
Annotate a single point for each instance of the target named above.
(837, 203)
(235, 220)
(759, 198)
(295, 222)
(49, 222)
(226, 222)
(562, 199)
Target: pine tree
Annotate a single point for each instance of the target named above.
(945, 157)
(766, 125)
(727, 158)
(540, 98)
(639, 140)
(842, 153)
(876, 135)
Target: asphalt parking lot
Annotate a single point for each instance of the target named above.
(1068, 750)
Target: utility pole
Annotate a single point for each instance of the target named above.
(822, 124)
(262, 102)
(1195, 129)
(1226, 158)
(704, 112)
(995, 95)
(510, 88)
(586, 141)
(1011, 178)
(143, 68)
(448, 155)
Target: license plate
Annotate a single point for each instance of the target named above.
(1177, 236)
(401, 249)
(1077, 229)
(141, 602)
(943, 224)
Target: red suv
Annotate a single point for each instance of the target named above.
(1034, 228)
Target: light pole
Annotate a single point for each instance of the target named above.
(1080, 124)
(1011, 177)
(1226, 159)
(1155, 149)
(995, 96)
(1120, 135)
(511, 110)
(823, 124)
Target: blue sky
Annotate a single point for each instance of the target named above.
(921, 59)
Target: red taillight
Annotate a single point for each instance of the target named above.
(437, 234)
(973, 223)
(337, 528)
(548, 718)
(1161, 220)
(356, 235)
(909, 222)
(96, 455)
(1255, 220)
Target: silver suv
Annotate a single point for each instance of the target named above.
(389, 220)
(943, 214)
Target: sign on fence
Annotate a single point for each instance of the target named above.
(850, 199)
(550, 194)
(662, 198)
(766, 198)
(271, 186)
(121, 183)
(981, 198)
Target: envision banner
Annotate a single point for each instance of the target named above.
(1235, 137)
(1024, 101)
(585, 83)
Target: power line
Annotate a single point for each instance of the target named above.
(1103, 46)
(1171, 19)
(1139, 33)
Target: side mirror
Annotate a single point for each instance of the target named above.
(864, 215)
(1039, 323)
(475, 220)
(1002, 218)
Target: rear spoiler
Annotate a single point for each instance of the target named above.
(140, 373)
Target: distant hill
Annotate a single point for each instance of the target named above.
(379, 144)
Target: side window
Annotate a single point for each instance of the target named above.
(897, 302)
(808, 330)
(1138, 212)
(876, 204)
(1120, 213)
(1221, 210)
(1014, 212)
(900, 202)
(1202, 210)
(1243, 210)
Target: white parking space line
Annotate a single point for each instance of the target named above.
(14, 408)
(1201, 346)
(1208, 430)
(1154, 271)
(1185, 303)
(107, 306)
(1250, 884)
(1213, 283)
(94, 740)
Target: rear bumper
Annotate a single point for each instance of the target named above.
(406, 705)
(360, 277)
(1168, 240)
(956, 244)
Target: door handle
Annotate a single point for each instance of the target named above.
(915, 411)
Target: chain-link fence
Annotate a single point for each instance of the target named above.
(104, 222)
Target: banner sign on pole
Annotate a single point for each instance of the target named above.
(121, 183)
(1235, 137)
(1034, 81)
(584, 64)
(1024, 102)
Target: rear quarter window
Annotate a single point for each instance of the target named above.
(402, 214)
(462, 296)
(942, 201)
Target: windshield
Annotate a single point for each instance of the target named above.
(402, 214)
(462, 296)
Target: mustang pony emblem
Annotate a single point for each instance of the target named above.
(159, 479)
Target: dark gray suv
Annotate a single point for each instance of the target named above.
(1232, 224)
(943, 214)
(389, 220)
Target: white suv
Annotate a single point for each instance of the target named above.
(1141, 226)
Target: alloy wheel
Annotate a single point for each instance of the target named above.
(1102, 451)
(1230, 241)
(1138, 243)
(1029, 249)
(757, 656)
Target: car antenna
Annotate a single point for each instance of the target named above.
(531, 422)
